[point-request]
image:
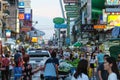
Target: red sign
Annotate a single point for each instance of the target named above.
(70, 1)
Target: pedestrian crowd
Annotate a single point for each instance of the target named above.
(93, 64)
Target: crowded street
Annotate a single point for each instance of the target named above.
(59, 39)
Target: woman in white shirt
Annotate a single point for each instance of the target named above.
(111, 67)
(81, 71)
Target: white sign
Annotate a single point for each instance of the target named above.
(28, 10)
(27, 4)
(8, 33)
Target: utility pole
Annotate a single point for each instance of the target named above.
(61, 5)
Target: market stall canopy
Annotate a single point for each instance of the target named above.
(77, 44)
(36, 33)
(114, 39)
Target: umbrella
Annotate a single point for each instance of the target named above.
(77, 44)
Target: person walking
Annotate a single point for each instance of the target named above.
(102, 73)
(81, 71)
(51, 67)
(5, 65)
(100, 57)
(111, 67)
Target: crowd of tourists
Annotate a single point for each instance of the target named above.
(93, 65)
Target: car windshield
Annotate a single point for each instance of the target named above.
(38, 53)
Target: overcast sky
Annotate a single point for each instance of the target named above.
(44, 11)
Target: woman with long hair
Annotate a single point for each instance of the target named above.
(81, 71)
(111, 67)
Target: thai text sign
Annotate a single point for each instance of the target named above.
(70, 1)
(71, 7)
(99, 26)
(72, 14)
(112, 10)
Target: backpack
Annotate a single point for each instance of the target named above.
(17, 73)
(50, 67)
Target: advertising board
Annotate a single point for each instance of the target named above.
(113, 20)
(112, 2)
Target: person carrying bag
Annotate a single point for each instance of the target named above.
(51, 68)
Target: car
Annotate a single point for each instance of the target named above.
(37, 55)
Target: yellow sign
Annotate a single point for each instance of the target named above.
(34, 39)
(99, 26)
(113, 20)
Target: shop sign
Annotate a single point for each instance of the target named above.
(60, 25)
(99, 26)
(28, 10)
(87, 28)
(8, 33)
(71, 7)
(27, 16)
(70, 1)
(112, 2)
(21, 5)
(58, 20)
(21, 10)
(72, 14)
(113, 20)
(21, 16)
(67, 40)
(25, 29)
(34, 39)
(112, 10)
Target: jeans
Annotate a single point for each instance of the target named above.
(50, 78)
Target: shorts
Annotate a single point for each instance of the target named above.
(92, 65)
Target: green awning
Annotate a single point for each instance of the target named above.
(77, 44)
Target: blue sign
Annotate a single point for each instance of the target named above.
(21, 4)
(21, 10)
(60, 25)
(67, 40)
(27, 17)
